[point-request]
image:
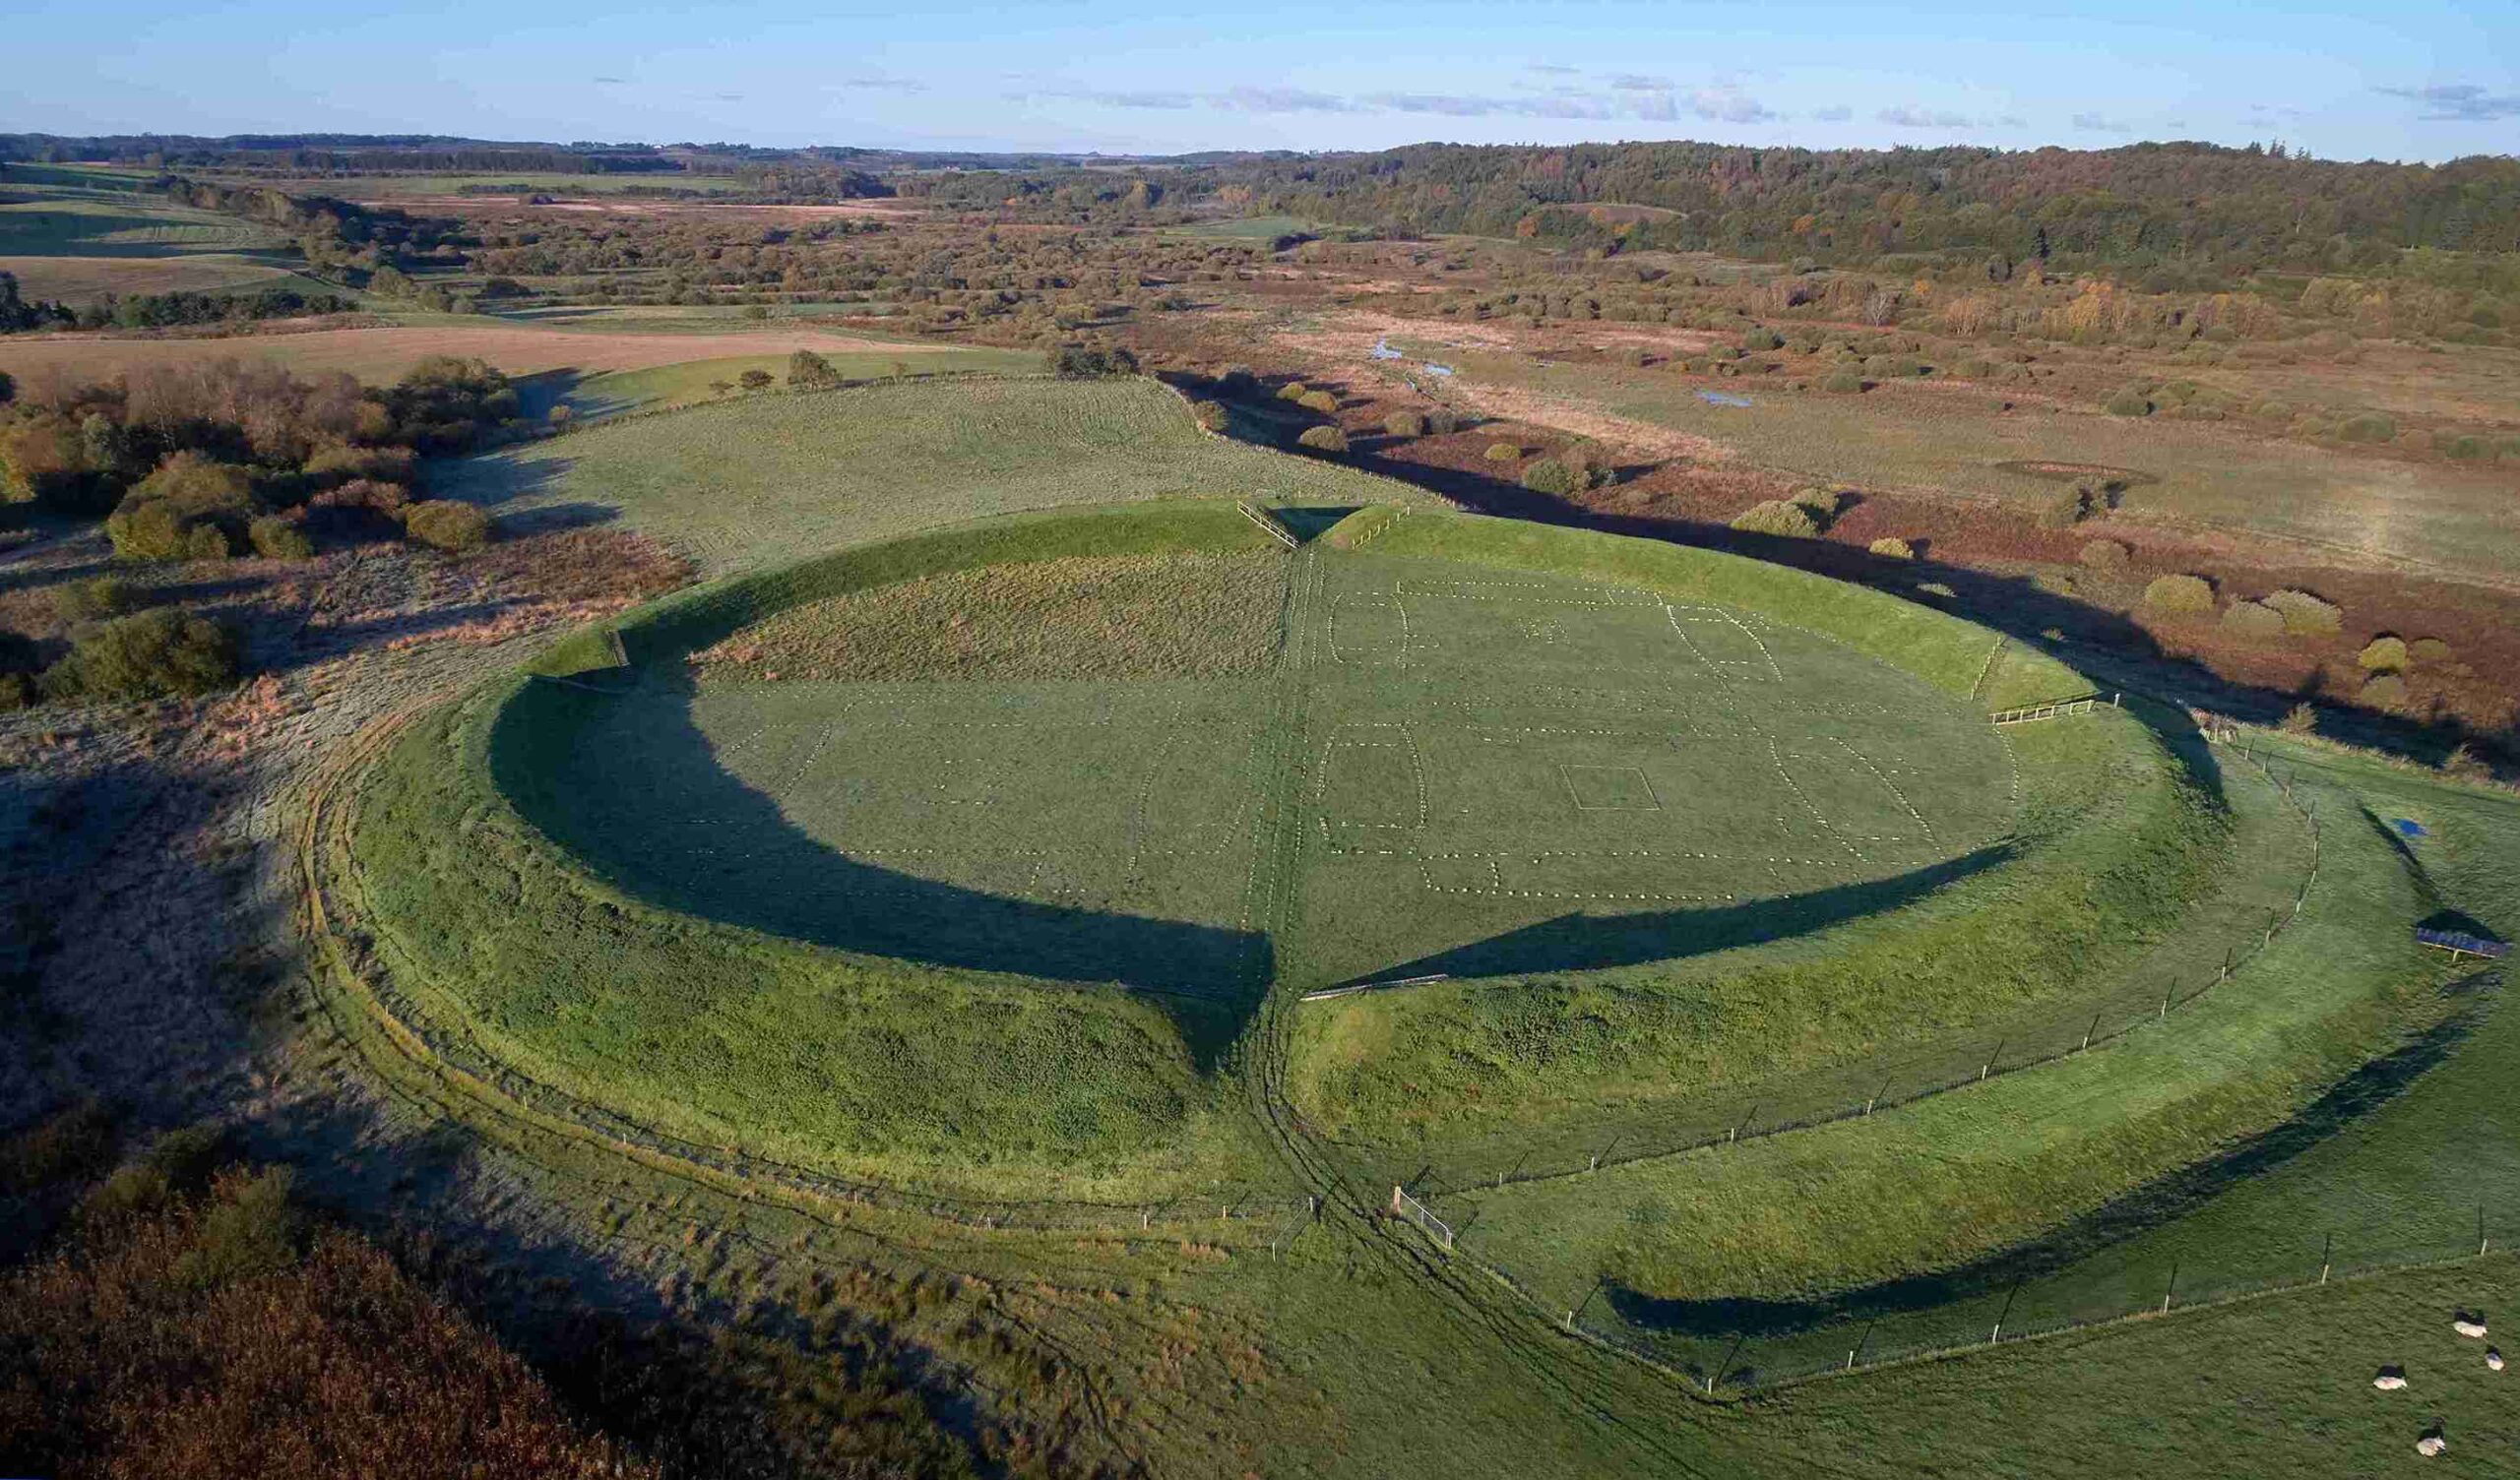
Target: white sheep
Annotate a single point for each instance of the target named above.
(2431, 1444)
(2389, 1382)
(2493, 1360)
(2472, 1329)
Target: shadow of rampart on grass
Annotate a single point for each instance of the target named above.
(762, 872)
(1578, 942)
(2145, 1208)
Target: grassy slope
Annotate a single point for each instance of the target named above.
(71, 226)
(2279, 1385)
(695, 382)
(1969, 1174)
(1528, 1075)
(78, 280)
(799, 1108)
(1079, 616)
(1507, 1061)
(957, 1080)
(742, 485)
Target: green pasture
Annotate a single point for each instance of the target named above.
(710, 318)
(768, 478)
(2274, 1387)
(93, 227)
(2338, 1101)
(699, 382)
(1250, 228)
(2120, 884)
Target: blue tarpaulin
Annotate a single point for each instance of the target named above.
(2407, 827)
(1719, 398)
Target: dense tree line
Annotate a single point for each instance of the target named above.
(340, 153)
(2219, 211)
(163, 310)
(206, 461)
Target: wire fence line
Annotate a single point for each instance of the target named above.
(2026, 1311)
(1830, 1096)
(1749, 1362)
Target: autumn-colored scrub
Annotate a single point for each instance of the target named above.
(231, 1335)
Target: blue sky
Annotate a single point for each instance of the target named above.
(2345, 79)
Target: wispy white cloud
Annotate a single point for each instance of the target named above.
(1644, 98)
(1835, 113)
(2460, 103)
(1924, 118)
(1729, 104)
(1281, 100)
(2092, 123)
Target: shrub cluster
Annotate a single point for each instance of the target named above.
(1089, 363)
(2385, 653)
(2253, 620)
(2179, 594)
(447, 524)
(1323, 439)
(204, 461)
(1779, 517)
(2307, 615)
(146, 655)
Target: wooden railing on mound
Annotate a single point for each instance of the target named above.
(2055, 709)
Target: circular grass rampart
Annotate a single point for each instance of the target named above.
(539, 860)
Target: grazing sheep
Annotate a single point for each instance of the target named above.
(2431, 1444)
(2493, 1360)
(2472, 1330)
(2390, 1380)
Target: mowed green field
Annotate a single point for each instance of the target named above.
(1484, 752)
(739, 485)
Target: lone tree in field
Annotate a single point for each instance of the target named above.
(808, 371)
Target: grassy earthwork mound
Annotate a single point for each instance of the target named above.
(966, 859)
